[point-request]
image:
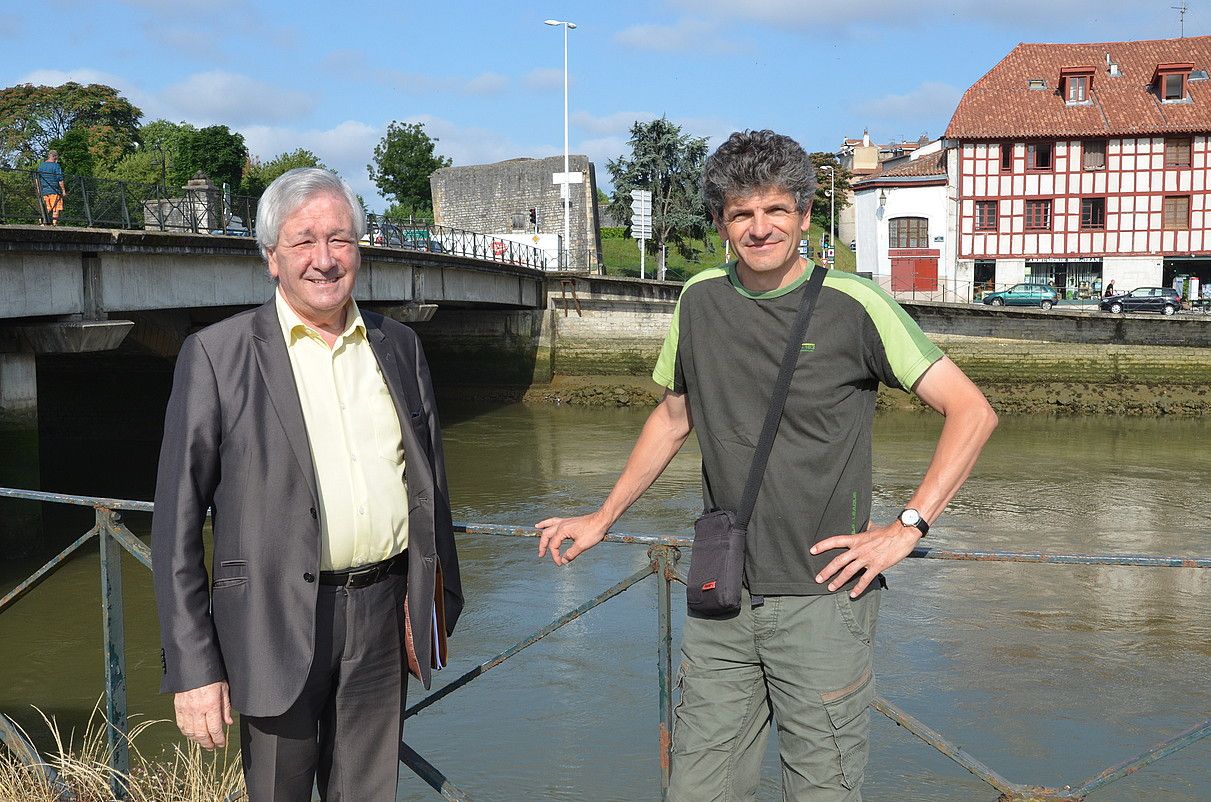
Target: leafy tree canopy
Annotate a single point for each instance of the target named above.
(668, 163)
(260, 174)
(157, 156)
(403, 162)
(34, 118)
(215, 151)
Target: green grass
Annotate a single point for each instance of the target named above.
(621, 257)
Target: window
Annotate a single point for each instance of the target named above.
(1177, 212)
(1177, 152)
(1173, 87)
(986, 215)
(1093, 213)
(1038, 215)
(1006, 157)
(1038, 156)
(1077, 88)
(908, 232)
(1093, 154)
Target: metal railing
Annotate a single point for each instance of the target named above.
(663, 552)
(388, 232)
(104, 203)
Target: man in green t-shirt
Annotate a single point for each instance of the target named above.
(800, 649)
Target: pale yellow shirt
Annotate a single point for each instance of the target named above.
(356, 444)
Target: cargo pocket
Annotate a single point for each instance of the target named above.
(846, 709)
(861, 616)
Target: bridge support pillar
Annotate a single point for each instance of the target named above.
(20, 521)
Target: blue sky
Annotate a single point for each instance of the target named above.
(486, 78)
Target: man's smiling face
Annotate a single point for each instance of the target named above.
(316, 259)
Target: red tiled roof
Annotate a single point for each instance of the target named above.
(1000, 105)
(931, 164)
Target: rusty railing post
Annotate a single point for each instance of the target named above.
(664, 558)
(114, 631)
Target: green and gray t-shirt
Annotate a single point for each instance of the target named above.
(724, 349)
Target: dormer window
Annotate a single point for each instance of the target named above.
(1075, 83)
(1170, 81)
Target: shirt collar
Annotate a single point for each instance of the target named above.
(293, 326)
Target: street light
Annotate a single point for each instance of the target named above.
(832, 209)
(565, 187)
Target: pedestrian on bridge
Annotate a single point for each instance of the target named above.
(308, 427)
(51, 189)
(784, 594)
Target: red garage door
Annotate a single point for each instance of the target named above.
(914, 271)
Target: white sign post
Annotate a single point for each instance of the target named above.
(641, 222)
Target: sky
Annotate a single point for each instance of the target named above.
(486, 78)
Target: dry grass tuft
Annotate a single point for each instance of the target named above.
(81, 773)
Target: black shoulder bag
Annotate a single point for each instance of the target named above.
(717, 562)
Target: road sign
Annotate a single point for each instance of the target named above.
(567, 178)
(641, 214)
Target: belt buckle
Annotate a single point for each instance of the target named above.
(364, 577)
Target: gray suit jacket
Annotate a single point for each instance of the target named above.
(235, 441)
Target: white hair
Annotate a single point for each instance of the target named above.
(291, 190)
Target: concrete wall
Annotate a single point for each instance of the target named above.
(1059, 325)
(487, 198)
(609, 326)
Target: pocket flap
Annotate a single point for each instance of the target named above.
(846, 704)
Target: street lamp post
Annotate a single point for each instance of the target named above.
(832, 209)
(565, 187)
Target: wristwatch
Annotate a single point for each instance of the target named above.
(910, 517)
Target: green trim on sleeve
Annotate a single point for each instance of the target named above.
(909, 352)
(666, 363)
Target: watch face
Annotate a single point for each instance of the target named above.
(910, 517)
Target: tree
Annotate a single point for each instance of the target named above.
(667, 163)
(215, 151)
(822, 211)
(32, 117)
(156, 159)
(74, 151)
(259, 174)
(403, 162)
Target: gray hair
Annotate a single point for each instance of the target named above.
(750, 161)
(291, 190)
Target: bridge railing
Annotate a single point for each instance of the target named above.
(104, 203)
(663, 553)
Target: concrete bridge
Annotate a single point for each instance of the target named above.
(75, 290)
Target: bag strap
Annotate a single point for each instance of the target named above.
(773, 417)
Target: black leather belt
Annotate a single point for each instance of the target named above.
(366, 575)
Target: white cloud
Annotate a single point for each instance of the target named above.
(688, 33)
(235, 100)
(544, 78)
(616, 123)
(1041, 15)
(347, 148)
(488, 83)
(930, 102)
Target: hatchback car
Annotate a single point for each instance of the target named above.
(1043, 296)
(1144, 299)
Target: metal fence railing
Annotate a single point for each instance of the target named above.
(103, 203)
(663, 552)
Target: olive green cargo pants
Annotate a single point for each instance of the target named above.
(804, 660)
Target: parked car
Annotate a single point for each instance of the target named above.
(1144, 299)
(1043, 296)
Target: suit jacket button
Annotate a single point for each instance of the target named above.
(308, 577)
(314, 514)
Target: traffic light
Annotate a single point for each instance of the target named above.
(533, 216)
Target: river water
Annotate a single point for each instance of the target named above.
(1048, 674)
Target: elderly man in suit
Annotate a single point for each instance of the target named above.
(308, 427)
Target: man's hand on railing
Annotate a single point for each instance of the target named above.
(203, 714)
(585, 532)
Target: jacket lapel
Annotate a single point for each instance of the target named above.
(274, 364)
(416, 461)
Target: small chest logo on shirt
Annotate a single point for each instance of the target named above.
(807, 348)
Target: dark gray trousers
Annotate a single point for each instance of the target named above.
(343, 732)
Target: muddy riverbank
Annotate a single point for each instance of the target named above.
(1018, 376)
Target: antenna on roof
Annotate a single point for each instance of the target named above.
(1181, 15)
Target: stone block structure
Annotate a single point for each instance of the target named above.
(496, 199)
